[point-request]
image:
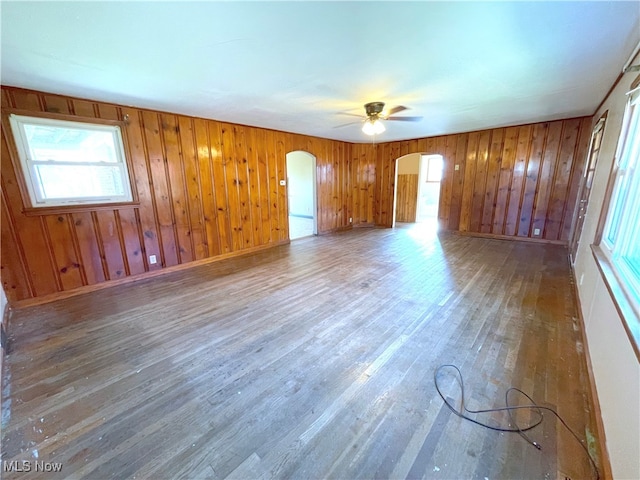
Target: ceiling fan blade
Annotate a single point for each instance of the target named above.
(346, 124)
(405, 119)
(397, 109)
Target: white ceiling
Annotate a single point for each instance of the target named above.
(302, 66)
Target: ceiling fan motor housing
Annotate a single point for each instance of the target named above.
(374, 109)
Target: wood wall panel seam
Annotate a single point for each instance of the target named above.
(123, 248)
(98, 234)
(76, 247)
(12, 231)
(152, 185)
(50, 256)
(170, 186)
(354, 181)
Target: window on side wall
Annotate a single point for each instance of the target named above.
(620, 239)
(66, 163)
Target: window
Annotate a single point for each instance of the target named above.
(70, 163)
(434, 167)
(621, 236)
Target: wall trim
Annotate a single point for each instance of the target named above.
(30, 302)
(618, 297)
(607, 473)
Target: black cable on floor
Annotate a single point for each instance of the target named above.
(509, 409)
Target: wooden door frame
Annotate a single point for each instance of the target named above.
(395, 182)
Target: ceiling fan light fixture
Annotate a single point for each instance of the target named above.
(373, 127)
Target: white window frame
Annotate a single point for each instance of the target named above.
(28, 164)
(618, 239)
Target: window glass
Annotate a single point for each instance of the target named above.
(67, 162)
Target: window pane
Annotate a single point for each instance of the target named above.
(618, 198)
(80, 181)
(68, 144)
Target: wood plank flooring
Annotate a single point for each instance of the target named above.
(310, 360)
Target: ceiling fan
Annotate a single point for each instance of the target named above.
(375, 113)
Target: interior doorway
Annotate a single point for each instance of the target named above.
(429, 188)
(417, 188)
(301, 194)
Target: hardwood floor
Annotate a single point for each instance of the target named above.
(310, 360)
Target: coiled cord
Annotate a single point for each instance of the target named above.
(509, 409)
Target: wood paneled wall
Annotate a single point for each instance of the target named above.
(508, 182)
(205, 189)
(407, 198)
(209, 188)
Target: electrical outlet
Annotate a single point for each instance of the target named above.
(152, 259)
(457, 167)
(536, 231)
(350, 219)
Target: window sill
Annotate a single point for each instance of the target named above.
(79, 208)
(629, 316)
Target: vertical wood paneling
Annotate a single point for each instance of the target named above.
(505, 177)
(223, 213)
(491, 185)
(547, 170)
(143, 184)
(233, 188)
(450, 146)
(130, 230)
(469, 176)
(207, 188)
(109, 237)
(161, 192)
(83, 108)
(510, 180)
(29, 232)
(562, 178)
(192, 180)
(263, 184)
(25, 99)
(88, 246)
(244, 194)
(407, 200)
(457, 184)
(15, 279)
(177, 187)
(283, 210)
(480, 181)
(517, 180)
(253, 178)
(56, 104)
(533, 174)
(67, 264)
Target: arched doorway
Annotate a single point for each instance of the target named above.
(417, 188)
(301, 194)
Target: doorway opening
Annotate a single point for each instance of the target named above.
(417, 189)
(301, 194)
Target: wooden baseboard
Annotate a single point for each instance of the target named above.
(510, 237)
(143, 276)
(364, 225)
(605, 463)
(334, 230)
